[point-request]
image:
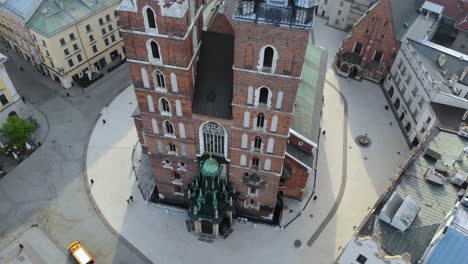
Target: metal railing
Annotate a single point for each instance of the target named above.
(258, 11)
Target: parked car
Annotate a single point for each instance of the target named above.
(80, 254)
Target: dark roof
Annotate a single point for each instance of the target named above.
(403, 11)
(435, 200)
(304, 157)
(449, 117)
(214, 81)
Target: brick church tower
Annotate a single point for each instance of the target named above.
(216, 105)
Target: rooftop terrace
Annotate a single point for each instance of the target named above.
(296, 13)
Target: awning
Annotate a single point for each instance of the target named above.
(432, 7)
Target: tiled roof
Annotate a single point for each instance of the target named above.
(308, 105)
(51, 18)
(454, 9)
(435, 201)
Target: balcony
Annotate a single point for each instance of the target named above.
(298, 13)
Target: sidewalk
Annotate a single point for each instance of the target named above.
(38, 249)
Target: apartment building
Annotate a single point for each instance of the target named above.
(76, 39)
(426, 74)
(343, 14)
(13, 31)
(10, 101)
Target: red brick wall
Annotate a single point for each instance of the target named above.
(291, 46)
(297, 183)
(377, 23)
(300, 144)
(222, 25)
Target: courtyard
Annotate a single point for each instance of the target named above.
(349, 181)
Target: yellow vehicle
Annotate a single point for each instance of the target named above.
(80, 253)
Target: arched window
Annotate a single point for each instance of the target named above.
(168, 128)
(182, 130)
(279, 100)
(164, 106)
(263, 95)
(158, 79)
(268, 57)
(172, 148)
(149, 99)
(274, 123)
(255, 163)
(154, 124)
(243, 160)
(175, 87)
(213, 138)
(144, 77)
(155, 50)
(260, 120)
(244, 141)
(257, 143)
(151, 18)
(178, 107)
(267, 165)
(246, 119)
(270, 145)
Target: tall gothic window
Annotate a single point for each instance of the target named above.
(260, 120)
(172, 147)
(159, 81)
(150, 16)
(257, 143)
(213, 136)
(155, 50)
(168, 127)
(264, 93)
(255, 163)
(268, 57)
(164, 105)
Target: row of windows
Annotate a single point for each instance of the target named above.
(159, 80)
(260, 123)
(255, 163)
(257, 144)
(262, 98)
(164, 106)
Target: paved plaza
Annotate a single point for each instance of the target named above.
(349, 180)
(37, 249)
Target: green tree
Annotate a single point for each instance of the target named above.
(17, 131)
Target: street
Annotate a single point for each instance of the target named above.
(48, 188)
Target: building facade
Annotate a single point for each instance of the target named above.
(13, 30)
(370, 48)
(234, 113)
(425, 73)
(343, 14)
(10, 101)
(76, 40)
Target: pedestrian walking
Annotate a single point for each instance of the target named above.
(323, 133)
(131, 198)
(128, 201)
(21, 246)
(103, 121)
(391, 123)
(92, 181)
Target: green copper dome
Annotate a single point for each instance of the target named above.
(210, 167)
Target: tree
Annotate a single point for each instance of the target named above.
(17, 131)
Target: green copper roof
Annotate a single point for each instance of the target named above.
(306, 119)
(210, 167)
(51, 17)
